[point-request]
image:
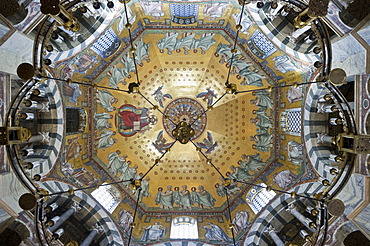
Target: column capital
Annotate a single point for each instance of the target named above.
(76, 206)
(98, 228)
(291, 207)
(270, 229)
(45, 137)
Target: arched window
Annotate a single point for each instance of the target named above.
(258, 197)
(290, 121)
(108, 196)
(184, 228)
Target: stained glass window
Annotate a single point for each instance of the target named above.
(108, 196)
(184, 227)
(258, 197)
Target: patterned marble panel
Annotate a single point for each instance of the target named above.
(362, 220)
(365, 33)
(349, 55)
(353, 193)
(3, 215)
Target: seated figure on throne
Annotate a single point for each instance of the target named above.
(131, 120)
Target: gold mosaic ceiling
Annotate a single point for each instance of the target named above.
(179, 81)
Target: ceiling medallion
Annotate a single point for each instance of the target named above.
(184, 110)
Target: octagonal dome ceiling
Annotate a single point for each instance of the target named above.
(182, 69)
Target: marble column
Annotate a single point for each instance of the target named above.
(335, 121)
(95, 231)
(298, 32)
(41, 106)
(51, 207)
(331, 170)
(36, 138)
(27, 152)
(303, 219)
(324, 138)
(272, 232)
(304, 235)
(273, 13)
(326, 108)
(65, 216)
(325, 98)
(39, 92)
(27, 116)
(284, 11)
(58, 233)
(335, 158)
(42, 137)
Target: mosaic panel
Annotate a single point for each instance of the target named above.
(184, 14)
(260, 45)
(107, 44)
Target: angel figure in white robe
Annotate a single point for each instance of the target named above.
(123, 20)
(295, 152)
(284, 178)
(106, 140)
(152, 8)
(246, 23)
(214, 10)
(106, 99)
(294, 94)
(284, 64)
(116, 76)
(240, 221)
(125, 218)
(142, 52)
(116, 163)
(101, 121)
(168, 42)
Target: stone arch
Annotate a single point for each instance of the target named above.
(354, 13)
(13, 11)
(16, 233)
(10, 237)
(356, 238)
(343, 231)
(22, 230)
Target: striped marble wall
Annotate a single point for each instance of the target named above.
(47, 154)
(314, 124)
(281, 41)
(95, 213)
(256, 236)
(104, 21)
